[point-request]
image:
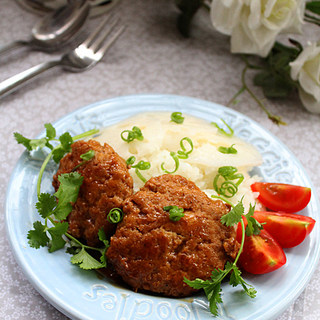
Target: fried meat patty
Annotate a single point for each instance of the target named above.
(106, 184)
(151, 252)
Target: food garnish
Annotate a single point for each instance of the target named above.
(289, 229)
(175, 213)
(228, 150)
(281, 196)
(141, 165)
(55, 212)
(180, 154)
(261, 253)
(212, 287)
(85, 157)
(227, 187)
(177, 117)
(222, 131)
(133, 134)
(115, 215)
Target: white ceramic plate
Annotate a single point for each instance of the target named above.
(81, 294)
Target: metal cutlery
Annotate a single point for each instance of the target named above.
(83, 57)
(55, 29)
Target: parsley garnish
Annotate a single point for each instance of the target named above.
(177, 117)
(55, 212)
(212, 287)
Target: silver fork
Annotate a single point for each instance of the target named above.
(83, 57)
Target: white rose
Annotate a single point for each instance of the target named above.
(255, 24)
(306, 69)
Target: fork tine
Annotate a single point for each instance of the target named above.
(96, 43)
(93, 35)
(111, 40)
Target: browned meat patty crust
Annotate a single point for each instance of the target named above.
(151, 252)
(106, 184)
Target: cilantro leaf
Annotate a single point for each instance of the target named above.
(50, 131)
(234, 215)
(56, 232)
(67, 193)
(58, 154)
(236, 279)
(22, 140)
(38, 237)
(65, 147)
(103, 238)
(85, 261)
(253, 226)
(45, 205)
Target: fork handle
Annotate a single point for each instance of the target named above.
(11, 84)
(13, 45)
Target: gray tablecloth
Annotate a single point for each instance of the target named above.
(151, 57)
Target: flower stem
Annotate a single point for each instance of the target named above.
(275, 119)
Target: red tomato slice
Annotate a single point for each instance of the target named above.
(288, 229)
(282, 197)
(261, 253)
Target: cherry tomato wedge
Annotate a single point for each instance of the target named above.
(261, 253)
(288, 229)
(282, 197)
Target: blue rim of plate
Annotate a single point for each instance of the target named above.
(82, 294)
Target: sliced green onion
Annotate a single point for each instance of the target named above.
(141, 165)
(175, 213)
(86, 157)
(133, 134)
(227, 188)
(228, 150)
(222, 131)
(183, 153)
(115, 215)
(176, 162)
(177, 117)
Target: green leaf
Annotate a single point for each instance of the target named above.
(87, 156)
(50, 131)
(234, 215)
(85, 261)
(253, 226)
(313, 6)
(58, 154)
(67, 193)
(38, 237)
(66, 141)
(236, 279)
(273, 85)
(45, 205)
(22, 140)
(56, 232)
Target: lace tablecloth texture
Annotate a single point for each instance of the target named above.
(151, 57)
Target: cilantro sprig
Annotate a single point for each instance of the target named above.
(212, 287)
(52, 231)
